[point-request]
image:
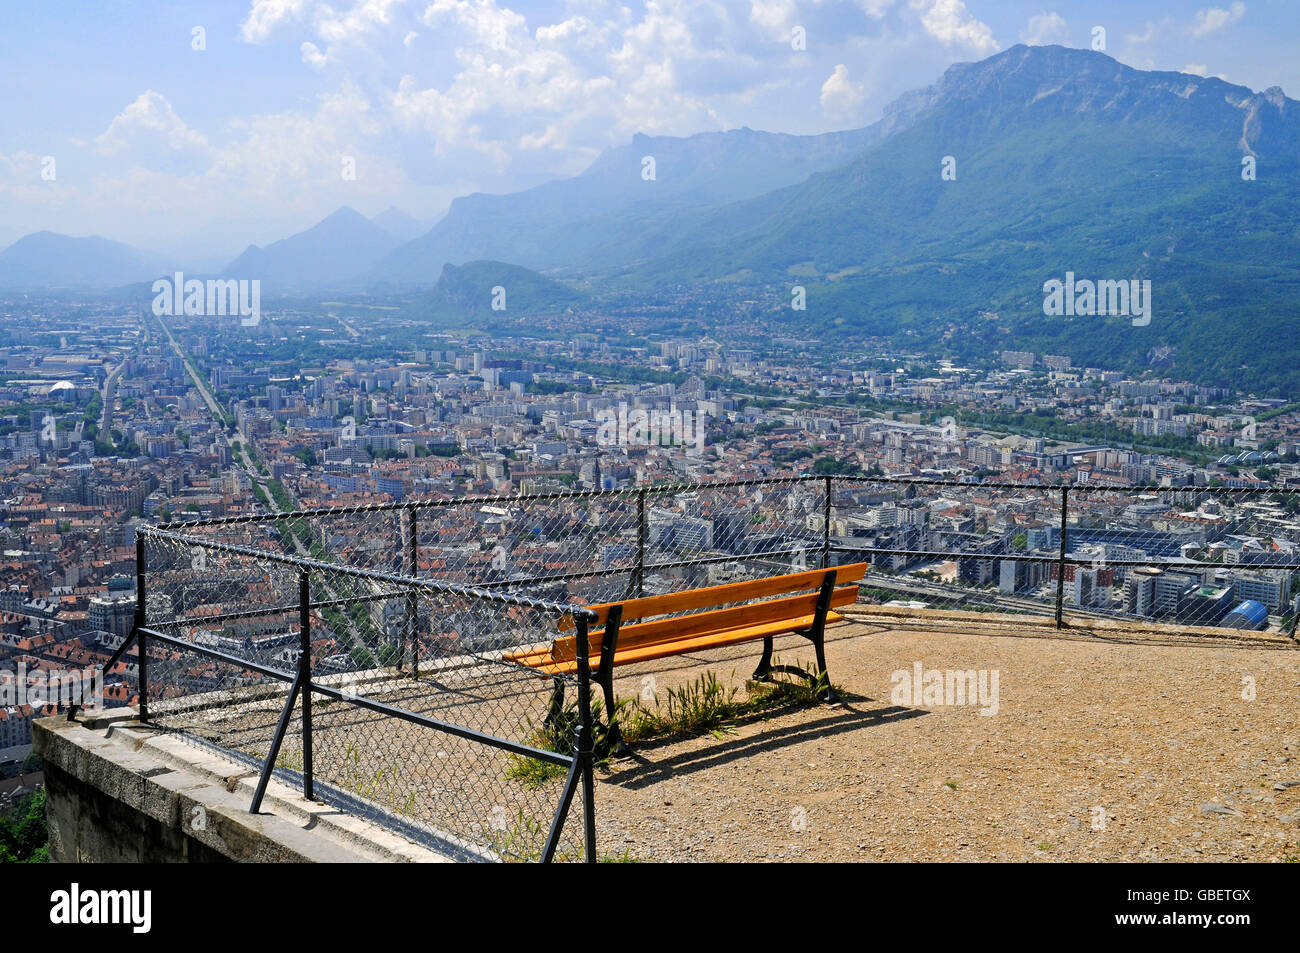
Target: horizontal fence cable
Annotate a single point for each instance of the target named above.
(406, 582)
(361, 701)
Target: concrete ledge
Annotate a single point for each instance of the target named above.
(120, 791)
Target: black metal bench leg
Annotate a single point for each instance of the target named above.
(823, 676)
(764, 671)
(818, 635)
(614, 743)
(556, 707)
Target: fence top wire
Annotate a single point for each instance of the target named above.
(1069, 487)
(557, 496)
(1163, 562)
(665, 488)
(407, 582)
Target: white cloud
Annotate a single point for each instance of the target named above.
(1200, 69)
(1045, 28)
(332, 27)
(494, 101)
(266, 15)
(366, 16)
(1216, 18)
(597, 80)
(150, 179)
(281, 151)
(774, 17)
(151, 117)
(20, 178)
(841, 97)
(949, 22)
(488, 25)
(312, 56)
(577, 33)
(1141, 39)
(876, 8)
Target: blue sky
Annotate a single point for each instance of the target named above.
(197, 152)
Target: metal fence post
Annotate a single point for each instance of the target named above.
(640, 542)
(412, 599)
(142, 654)
(586, 739)
(1060, 562)
(304, 674)
(826, 525)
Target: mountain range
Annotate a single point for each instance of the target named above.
(936, 226)
(567, 224)
(44, 261)
(342, 246)
(473, 294)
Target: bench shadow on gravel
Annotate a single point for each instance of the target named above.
(641, 769)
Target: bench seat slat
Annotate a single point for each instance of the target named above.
(645, 653)
(530, 657)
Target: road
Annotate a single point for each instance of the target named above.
(239, 452)
(108, 395)
(237, 444)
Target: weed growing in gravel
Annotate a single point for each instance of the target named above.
(704, 705)
(695, 707)
(786, 694)
(560, 735)
(524, 839)
(533, 773)
(707, 705)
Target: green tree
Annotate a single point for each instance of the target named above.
(24, 837)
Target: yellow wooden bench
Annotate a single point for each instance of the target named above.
(641, 630)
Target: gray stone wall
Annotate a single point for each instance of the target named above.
(121, 791)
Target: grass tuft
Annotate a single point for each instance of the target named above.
(694, 708)
(706, 705)
(560, 736)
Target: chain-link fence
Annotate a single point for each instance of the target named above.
(1209, 556)
(364, 653)
(941, 545)
(605, 546)
(1186, 555)
(384, 695)
(1218, 556)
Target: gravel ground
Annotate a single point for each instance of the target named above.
(1104, 746)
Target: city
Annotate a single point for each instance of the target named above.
(144, 420)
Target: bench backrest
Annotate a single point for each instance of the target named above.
(747, 591)
(803, 603)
